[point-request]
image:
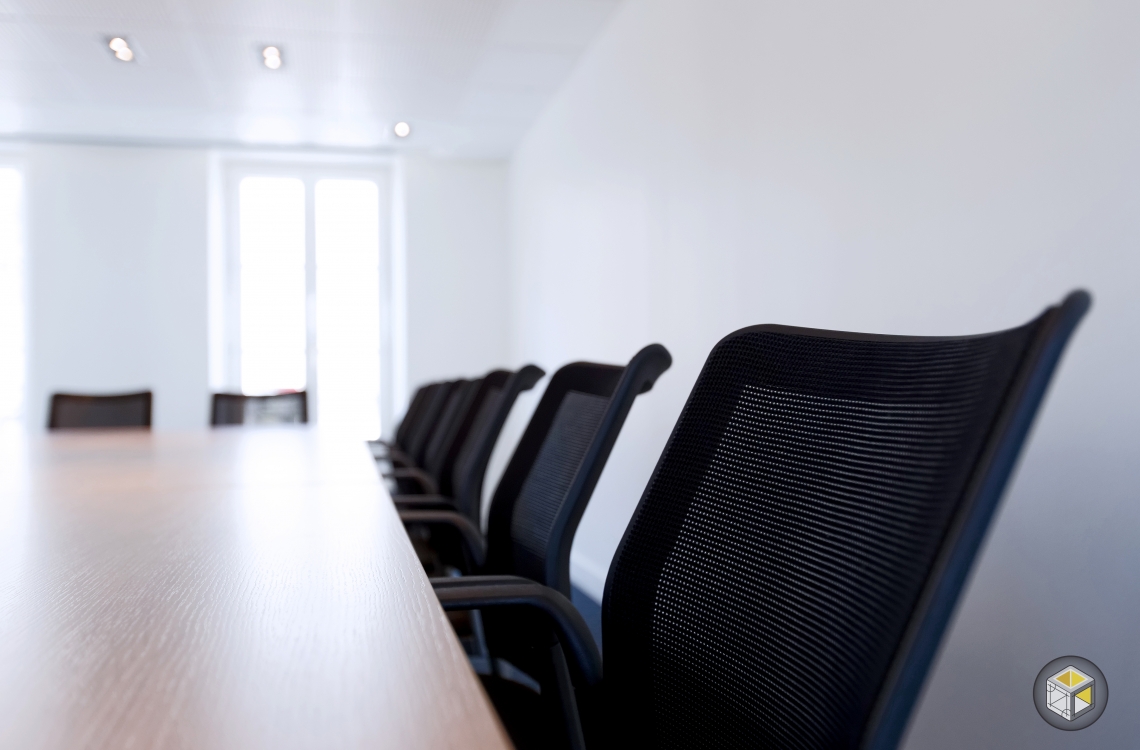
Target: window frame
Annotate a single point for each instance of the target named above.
(13, 156)
(226, 375)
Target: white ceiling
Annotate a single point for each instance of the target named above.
(468, 75)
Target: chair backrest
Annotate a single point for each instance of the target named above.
(489, 412)
(410, 415)
(552, 473)
(448, 424)
(427, 419)
(71, 410)
(280, 408)
(795, 558)
(465, 428)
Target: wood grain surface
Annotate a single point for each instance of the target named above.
(237, 588)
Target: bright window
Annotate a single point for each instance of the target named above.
(348, 304)
(11, 299)
(273, 298)
(310, 315)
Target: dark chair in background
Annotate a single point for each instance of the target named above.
(381, 448)
(552, 473)
(533, 517)
(411, 452)
(462, 477)
(461, 441)
(794, 561)
(281, 408)
(451, 429)
(72, 410)
(550, 477)
(419, 471)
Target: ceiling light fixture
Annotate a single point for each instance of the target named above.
(402, 130)
(272, 57)
(121, 49)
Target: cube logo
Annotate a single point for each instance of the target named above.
(1070, 693)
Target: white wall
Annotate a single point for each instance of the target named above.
(116, 250)
(117, 273)
(889, 167)
(458, 283)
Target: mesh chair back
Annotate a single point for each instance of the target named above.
(475, 399)
(551, 476)
(427, 420)
(497, 396)
(792, 565)
(281, 408)
(70, 410)
(450, 420)
(411, 415)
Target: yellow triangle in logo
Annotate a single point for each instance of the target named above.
(1070, 678)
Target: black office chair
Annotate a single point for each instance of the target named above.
(551, 475)
(381, 448)
(280, 408)
(440, 550)
(790, 570)
(534, 514)
(71, 410)
(410, 416)
(450, 431)
(459, 464)
(411, 476)
(412, 453)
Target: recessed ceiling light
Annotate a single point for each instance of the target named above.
(402, 130)
(121, 49)
(272, 57)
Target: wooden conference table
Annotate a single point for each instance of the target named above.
(236, 588)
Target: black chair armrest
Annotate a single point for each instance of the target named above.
(483, 592)
(384, 451)
(426, 481)
(423, 502)
(394, 455)
(469, 532)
